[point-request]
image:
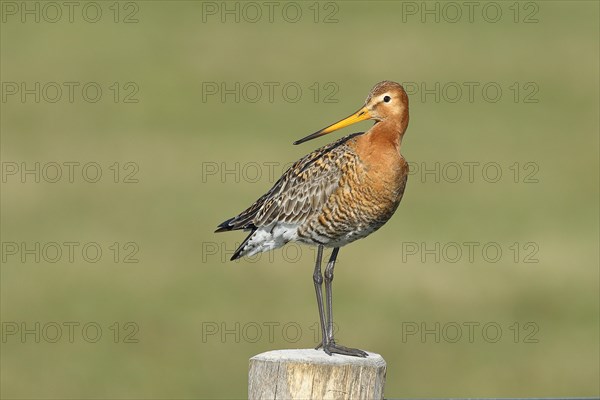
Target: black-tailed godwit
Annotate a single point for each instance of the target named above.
(337, 194)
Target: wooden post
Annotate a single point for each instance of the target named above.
(312, 374)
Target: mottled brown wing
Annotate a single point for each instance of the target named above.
(301, 191)
(304, 190)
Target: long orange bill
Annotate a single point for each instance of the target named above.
(358, 116)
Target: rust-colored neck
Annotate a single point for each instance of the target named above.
(389, 132)
(379, 148)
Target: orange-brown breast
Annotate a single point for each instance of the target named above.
(370, 188)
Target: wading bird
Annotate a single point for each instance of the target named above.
(335, 195)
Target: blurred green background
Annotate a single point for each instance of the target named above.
(197, 317)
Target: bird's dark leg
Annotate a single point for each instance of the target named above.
(329, 346)
(328, 294)
(318, 281)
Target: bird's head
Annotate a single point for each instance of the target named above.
(387, 101)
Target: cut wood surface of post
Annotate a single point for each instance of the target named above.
(312, 374)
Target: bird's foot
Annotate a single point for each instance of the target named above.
(332, 347)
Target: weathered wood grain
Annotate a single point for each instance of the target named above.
(312, 374)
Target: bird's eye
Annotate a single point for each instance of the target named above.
(387, 99)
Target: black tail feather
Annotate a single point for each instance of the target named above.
(225, 226)
(237, 255)
(231, 225)
(236, 223)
